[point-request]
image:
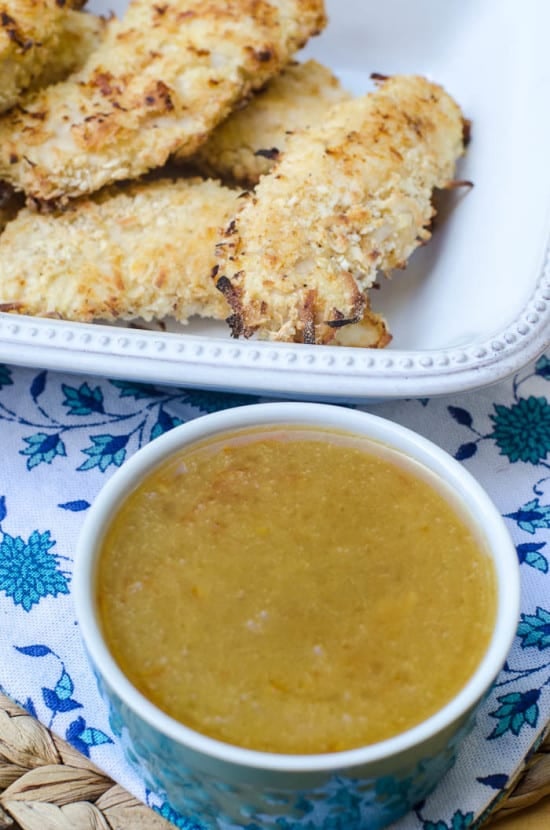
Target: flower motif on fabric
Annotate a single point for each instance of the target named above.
(42, 448)
(107, 451)
(534, 629)
(59, 700)
(84, 400)
(522, 431)
(90, 406)
(519, 709)
(29, 571)
(532, 516)
(516, 710)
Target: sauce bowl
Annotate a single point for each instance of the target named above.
(219, 786)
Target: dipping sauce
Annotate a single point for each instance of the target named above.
(294, 590)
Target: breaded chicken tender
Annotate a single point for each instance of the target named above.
(248, 143)
(144, 250)
(79, 36)
(30, 34)
(348, 198)
(160, 81)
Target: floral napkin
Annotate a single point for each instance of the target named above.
(64, 435)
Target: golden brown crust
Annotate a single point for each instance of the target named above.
(31, 34)
(347, 199)
(161, 79)
(144, 250)
(79, 36)
(249, 142)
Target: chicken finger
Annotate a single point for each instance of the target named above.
(140, 251)
(79, 36)
(249, 142)
(30, 33)
(161, 79)
(348, 198)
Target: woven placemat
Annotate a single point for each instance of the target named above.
(45, 784)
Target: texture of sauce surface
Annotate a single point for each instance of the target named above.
(294, 591)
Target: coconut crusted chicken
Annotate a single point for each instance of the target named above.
(31, 34)
(348, 198)
(144, 250)
(248, 143)
(80, 35)
(162, 78)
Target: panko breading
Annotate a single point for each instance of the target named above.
(161, 79)
(79, 36)
(146, 250)
(248, 143)
(348, 198)
(30, 32)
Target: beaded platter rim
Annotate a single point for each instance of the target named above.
(280, 369)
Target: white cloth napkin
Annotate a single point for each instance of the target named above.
(63, 435)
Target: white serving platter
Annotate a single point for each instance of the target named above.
(471, 308)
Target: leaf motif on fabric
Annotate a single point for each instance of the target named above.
(466, 451)
(75, 506)
(38, 385)
(495, 781)
(28, 705)
(460, 415)
(37, 650)
(64, 686)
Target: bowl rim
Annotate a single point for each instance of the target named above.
(470, 493)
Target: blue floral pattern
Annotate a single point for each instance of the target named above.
(59, 700)
(29, 570)
(64, 435)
